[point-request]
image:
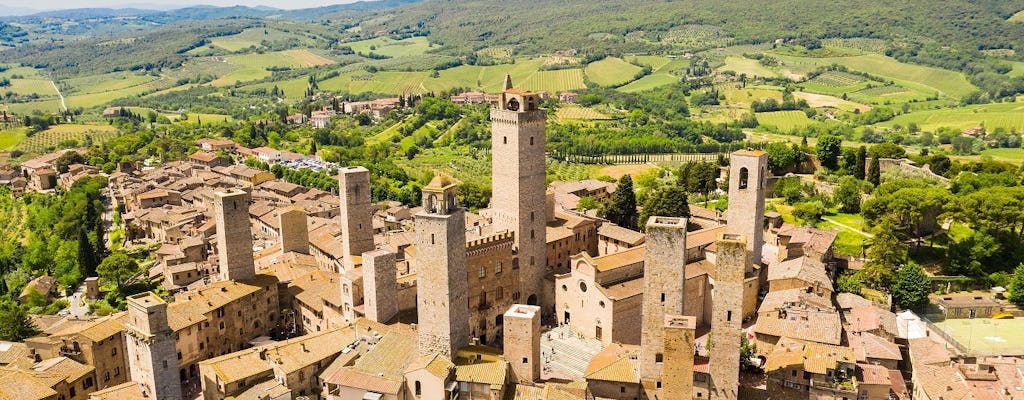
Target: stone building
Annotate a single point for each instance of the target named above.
(677, 369)
(522, 341)
(664, 283)
(518, 203)
(442, 299)
(151, 347)
(747, 179)
(234, 235)
(726, 315)
(356, 213)
(380, 286)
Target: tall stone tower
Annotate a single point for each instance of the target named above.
(442, 301)
(234, 235)
(518, 127)
(151, 352)
(356, 212)
(727, 315)
(293, 229)
(677, 376)
(664, 280)
(380, 286)
(748, 172)
(522, 341)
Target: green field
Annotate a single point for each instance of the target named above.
(250, 37)
(41, 87)
(649, 82)
(11, 137)
(104, 83)
(742, 65)
(1013, 156)
(655, 62)
(386, 46)
(987, 336)
(925, 79)
(784, 120)
(997, 115)
(254, 66)
(1018, 68)
(611, 71)
(821, 100)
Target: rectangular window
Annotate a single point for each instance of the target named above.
(497, 269)
(728, 315)
(483, 272)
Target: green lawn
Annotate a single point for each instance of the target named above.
(1014, 156)
(611, 71)
(784, 120)
(987, 336)
(11, 137)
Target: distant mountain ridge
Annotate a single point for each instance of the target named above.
(198, 12)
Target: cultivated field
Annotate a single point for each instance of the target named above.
(999, 115)
(386, 46)
(611, 71)
(926, 79)
(57, 135)
(9, 138)
(747, 66)
(1018, 17)
(784, 120)
(821, 100)
(649, 82)
(573, 112)
(251, 37)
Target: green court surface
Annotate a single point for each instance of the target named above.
(986, 336)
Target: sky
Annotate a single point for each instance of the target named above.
(164, 4)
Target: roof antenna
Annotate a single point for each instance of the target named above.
(508, 82)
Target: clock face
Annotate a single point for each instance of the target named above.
(513, 105)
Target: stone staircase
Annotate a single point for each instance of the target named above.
(566, 354)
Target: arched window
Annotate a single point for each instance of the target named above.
(744, 176)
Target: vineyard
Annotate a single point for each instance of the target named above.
(697, 37)
(865, 44)
(838, 79)
(577, 113)
(884, 90)
(66, 136)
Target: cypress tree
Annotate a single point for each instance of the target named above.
(862, 158)
(622, 208)
(874, 172)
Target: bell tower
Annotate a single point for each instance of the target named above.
(518, 126)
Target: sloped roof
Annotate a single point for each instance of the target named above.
(616, 363)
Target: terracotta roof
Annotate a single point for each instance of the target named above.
(616, 363)
(817, 326)
(618, 291)
(13, 353)
(434, 364)
(237, 366)
(926, 351)
(621, 259)
(58, 369)
(268, 389)
(354, 378)
(124, 391)
(821, 357)
(203, 156)
(805, 269)
(849, 301)
(190, 308)
(621, 234)
(815, 239)
(16, 384)
(796, 296)
(864, 319)
(867, 345)
(941, 383)
(390, 356)
(871, 374)
(899, 386)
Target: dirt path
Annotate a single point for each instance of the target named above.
(55, 88)
(845, 226)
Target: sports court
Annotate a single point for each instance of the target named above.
(987, 336)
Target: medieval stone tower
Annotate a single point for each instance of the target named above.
(380, 287)
(356, 212)
(748, 173)
(664, 279)
(518, 126)
(151, 352)
(677, 374)
(522, 341)
(294, 232)
(727, 315)
(442, 301)
(234, 235)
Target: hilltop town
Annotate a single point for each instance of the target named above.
(271, 290)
